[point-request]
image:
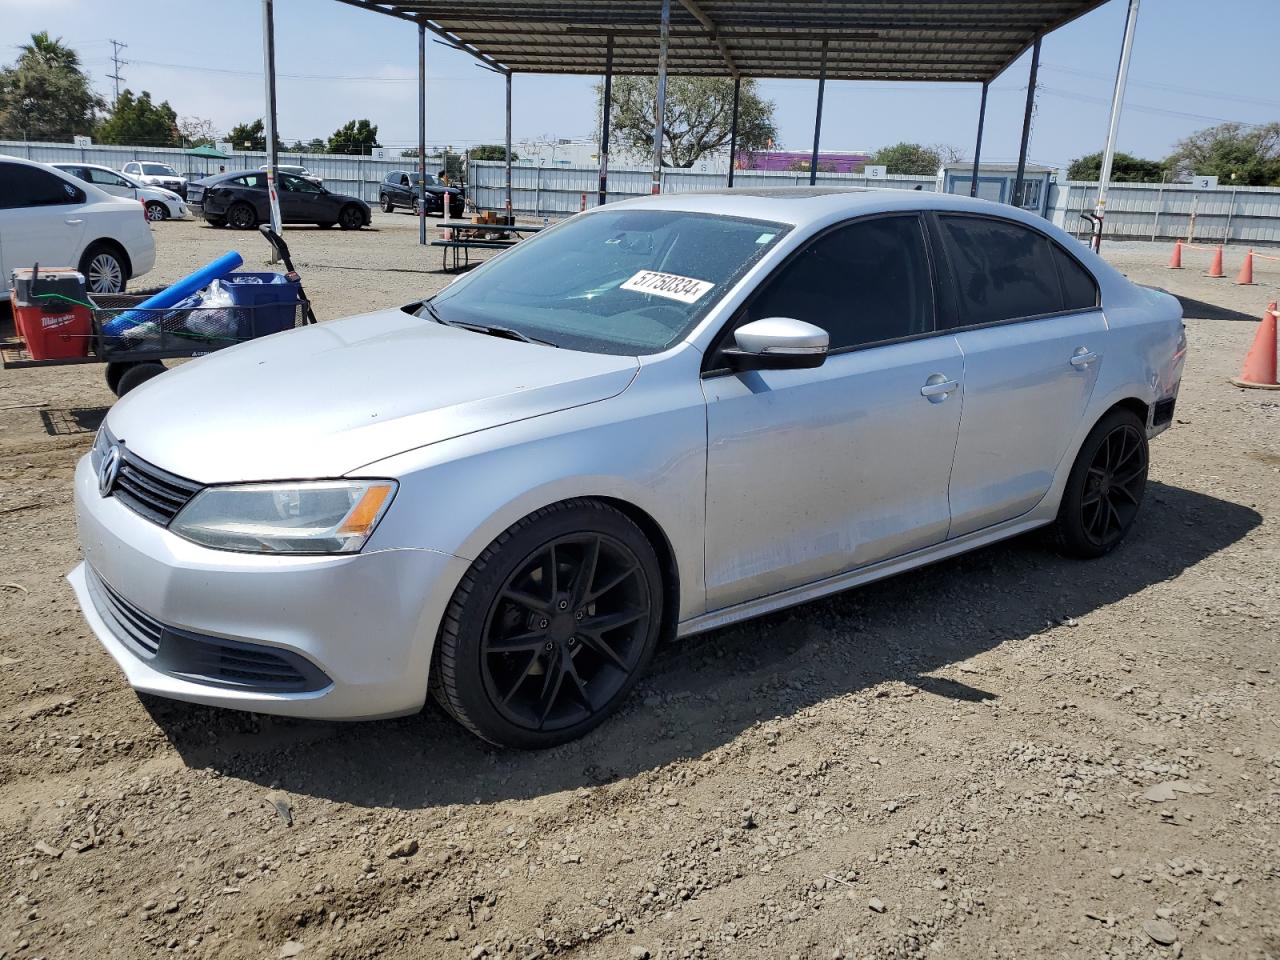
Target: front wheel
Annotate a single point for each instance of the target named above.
(551, 627)
(1105, 488)
(387, 205)
(350, 218)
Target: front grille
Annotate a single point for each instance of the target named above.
(200, 658)
(143, 487)
(140, 631)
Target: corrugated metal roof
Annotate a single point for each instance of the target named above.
(947, 40)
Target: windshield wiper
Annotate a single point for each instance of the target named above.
(492, 330)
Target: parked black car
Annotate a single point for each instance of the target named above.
(399, 188)
(240, 199)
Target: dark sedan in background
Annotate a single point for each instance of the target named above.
(240, 200)
(399, 188)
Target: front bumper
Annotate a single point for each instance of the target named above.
(367, 622)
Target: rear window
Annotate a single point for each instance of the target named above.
(1003, 270)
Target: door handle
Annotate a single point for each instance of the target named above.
(1083, 357)
(938, 387)
(74, 222)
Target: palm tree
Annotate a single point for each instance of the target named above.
(45, 51)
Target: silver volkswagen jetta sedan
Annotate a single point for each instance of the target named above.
(656, 418)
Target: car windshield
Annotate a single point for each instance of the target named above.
(624, 282)
(158, 170)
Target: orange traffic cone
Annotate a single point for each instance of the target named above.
(1259, 368)
(1245, 276)
(1175, 261)
(1215, 268)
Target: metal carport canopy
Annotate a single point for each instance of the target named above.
(926, 40)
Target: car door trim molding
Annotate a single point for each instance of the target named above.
(793, 596)
(717, 341)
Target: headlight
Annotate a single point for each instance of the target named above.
(325, 516)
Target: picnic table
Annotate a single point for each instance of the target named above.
(459, 238)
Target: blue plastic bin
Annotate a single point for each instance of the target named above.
(272, 297)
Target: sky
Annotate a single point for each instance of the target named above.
(1194, 64)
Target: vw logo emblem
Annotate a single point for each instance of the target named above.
(108, 470)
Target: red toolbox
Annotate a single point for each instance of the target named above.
(50, 312)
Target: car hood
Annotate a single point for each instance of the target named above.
(324, 400)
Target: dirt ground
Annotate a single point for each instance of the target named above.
(1007, 755)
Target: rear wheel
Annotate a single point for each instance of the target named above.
(136, 376)
(242, 217)
(351, 217)
(1105, 488)
(156, 211)
(105, 269)
(551, 627)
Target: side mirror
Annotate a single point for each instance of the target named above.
(778, 343)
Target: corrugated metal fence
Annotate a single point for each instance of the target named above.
(1134, 210)
(354, 175)
(557, 191)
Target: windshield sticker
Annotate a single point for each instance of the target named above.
(765, 237)
(669, 285)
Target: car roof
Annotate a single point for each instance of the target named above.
(216, 177)
(800, 206)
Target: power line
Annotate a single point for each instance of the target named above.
(116, 47)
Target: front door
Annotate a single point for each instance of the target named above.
(112, 183)
(814, 472)
(1032, 334)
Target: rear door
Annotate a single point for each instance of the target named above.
(814, 472)
(1026, 316)
(42, 218)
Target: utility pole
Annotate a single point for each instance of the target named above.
(116, 47)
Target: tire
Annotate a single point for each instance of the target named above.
(241, 216)
(350, 217)
(589, 638)
(115, 370)
(105, 268)
(1105, 487)
(136, 376)
(156, 211)
(387, 205)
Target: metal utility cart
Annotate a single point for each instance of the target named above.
(172, 333)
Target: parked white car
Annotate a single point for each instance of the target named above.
(50, 217)
(159, 203)
(157, 175)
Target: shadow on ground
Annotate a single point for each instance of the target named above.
(703, 691)
(1199, 310)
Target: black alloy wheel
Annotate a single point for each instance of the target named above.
(1106, 485)
(565, 632)
(242, 217)
(350, 217)
(551, 628)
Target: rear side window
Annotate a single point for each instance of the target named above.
(863, 283)
(1079, 290)
(250, 180)
(1003, 270)
(23, 186)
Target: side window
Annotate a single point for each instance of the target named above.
(107, 178)
(1003, 270)
(297, 184)
(23, 186)
(862, 283)
(1079, 289)
(132, 168)
(404, 181)
(250, 180)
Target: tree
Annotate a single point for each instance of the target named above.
(491, 151)
(1125, 168)
(45, 95)
(248, 136)
(699, 115)
(197, 131)
(354, 136)
(1233, 152)
(908, 159)
(138, 120)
